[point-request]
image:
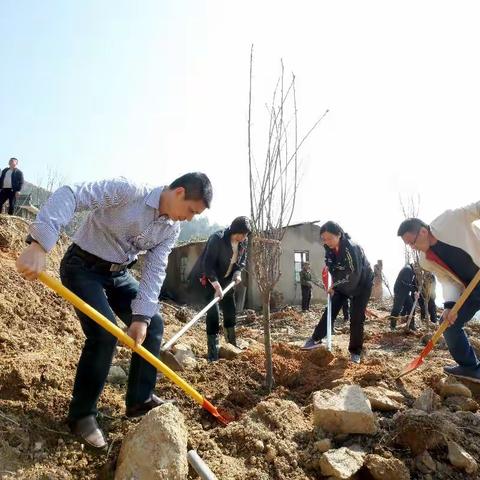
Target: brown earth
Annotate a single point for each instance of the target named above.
(271, 437)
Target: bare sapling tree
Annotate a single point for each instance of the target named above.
(273, 191)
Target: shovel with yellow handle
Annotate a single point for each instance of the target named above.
(436, 336)
(78, 303)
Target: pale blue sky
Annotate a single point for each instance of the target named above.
(152, 89)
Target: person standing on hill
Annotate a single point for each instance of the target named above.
(11, 183)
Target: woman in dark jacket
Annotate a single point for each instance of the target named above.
(221, 262)
(352, 277)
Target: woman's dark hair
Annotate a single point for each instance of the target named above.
(241, 225)
(197, 187)
(333, 228)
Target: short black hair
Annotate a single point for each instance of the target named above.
(197, 187)
(411, 225)
(241, 225)
(13, 158)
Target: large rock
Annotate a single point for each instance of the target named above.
(451, 387)
(229, 351)
(382, 468)
(428, 401)
(347, 411)
(341, 463)
(379, 400)
(421, 431)
(460, 458)
(184, 356)
(156, 449)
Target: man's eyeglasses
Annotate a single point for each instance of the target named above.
(412, 244)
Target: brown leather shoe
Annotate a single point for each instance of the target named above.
(142, 408)
(87, 428)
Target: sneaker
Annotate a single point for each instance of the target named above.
(468, 373)
(142, 408)
(88, 430)
(355, 358)
(310, 344)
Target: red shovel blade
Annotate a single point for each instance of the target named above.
(415, 363)
(213, 410)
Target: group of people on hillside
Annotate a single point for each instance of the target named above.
(125, 219)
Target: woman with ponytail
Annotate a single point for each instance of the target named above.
(352, 277)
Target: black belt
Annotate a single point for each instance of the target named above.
(97, 262)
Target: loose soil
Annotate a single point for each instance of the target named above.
(271, 436)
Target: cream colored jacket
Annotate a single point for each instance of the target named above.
(456, 228)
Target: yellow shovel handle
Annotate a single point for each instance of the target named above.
(104, 322)
(458, 305)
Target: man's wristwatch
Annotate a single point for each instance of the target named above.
(30, 239)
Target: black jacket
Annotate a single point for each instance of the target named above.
(350, 269)
(405, 280)
(17, 179)
(215, 259)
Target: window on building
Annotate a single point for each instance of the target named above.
(299, 259)
(183, 269)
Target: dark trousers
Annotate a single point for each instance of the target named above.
(346, 309)
(402, 302)
(110, 294)
(306, 297)
(432, 309)
(357, 319)
(7, 194)
(227, 303)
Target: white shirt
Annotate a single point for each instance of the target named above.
(7, 180)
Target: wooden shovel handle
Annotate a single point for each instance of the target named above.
(458, 305)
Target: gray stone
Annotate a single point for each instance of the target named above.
(428, 401)
(382, 468)
(380, 401)
(341, 463)
(425, 463)
(460, 458)
(116, 375)
(347, 411)
(461, 404)
(229, 351)
(156, 449)
(323, 445)
(184, 356)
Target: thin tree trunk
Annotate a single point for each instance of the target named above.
(268, 342)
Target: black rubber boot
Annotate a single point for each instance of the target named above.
(231, 336)
(213, 344)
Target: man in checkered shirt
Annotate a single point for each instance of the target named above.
(124, 219)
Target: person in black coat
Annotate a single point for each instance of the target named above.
(404, 292)
(352, 277)
(221, 262)
(11, 182)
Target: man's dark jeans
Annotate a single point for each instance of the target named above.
(227, 303)
(110, 294)
(7, 194)
(306, 297)
(358, 306)
(455, 336)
